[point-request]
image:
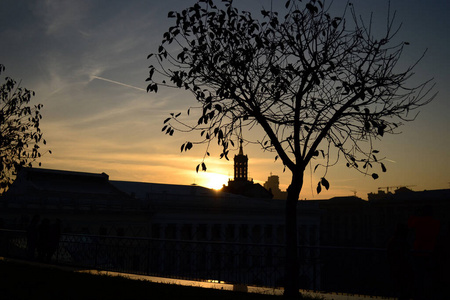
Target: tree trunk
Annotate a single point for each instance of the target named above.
(291, 288)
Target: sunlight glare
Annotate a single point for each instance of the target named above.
(214, 180)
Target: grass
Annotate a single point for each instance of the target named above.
(25, 281)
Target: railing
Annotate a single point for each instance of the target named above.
(331, 269)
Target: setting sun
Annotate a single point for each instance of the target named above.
(213, 180)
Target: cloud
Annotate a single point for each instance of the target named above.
(60, 15)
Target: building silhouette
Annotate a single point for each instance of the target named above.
(89, 203)
(241, 184)
(241, 165)
(98, 208)
(273, 186)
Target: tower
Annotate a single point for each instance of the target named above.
(241, 185)
(241, 166)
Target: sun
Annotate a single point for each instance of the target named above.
(214, 180)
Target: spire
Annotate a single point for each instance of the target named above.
(241, 151)
(241, 165)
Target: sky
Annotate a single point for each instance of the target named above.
(87, 63)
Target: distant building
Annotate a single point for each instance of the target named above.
(354, 222)
(241, 185)
(84, 202)
(389, 209)
(90, 203)
(345, 221)
(273, 186)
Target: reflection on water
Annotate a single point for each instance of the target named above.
(221, 285)
(214, 281)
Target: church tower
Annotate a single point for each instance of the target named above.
(241, 185)
(241, 166)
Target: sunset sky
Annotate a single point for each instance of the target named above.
(87, 63)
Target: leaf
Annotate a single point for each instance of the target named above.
(196, 169)
(375, 176)
(334, 24)
(203, 167)
(383, 167)
(166, 120)
(323, 153)
(319, 188)
(381, 129)
(325, 183)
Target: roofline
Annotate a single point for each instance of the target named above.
(63, 172)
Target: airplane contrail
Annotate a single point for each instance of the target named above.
(390, 160)
(119, 83)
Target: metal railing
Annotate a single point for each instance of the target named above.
(330, 269)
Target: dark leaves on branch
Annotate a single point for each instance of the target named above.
(323, 182)
(319, 188)
(186, 146)
(203, 165)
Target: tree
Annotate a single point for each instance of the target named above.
(322, 88)
(20, 134)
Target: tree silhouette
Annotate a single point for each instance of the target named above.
(20, 134)
(311, 81)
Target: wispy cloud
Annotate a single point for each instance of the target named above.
(119, 83)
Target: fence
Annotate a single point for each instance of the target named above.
(331, 269)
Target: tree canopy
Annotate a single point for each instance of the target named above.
(309, 79)
(20, 134)
(313, 82)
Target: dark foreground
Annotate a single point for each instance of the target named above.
(25, 281)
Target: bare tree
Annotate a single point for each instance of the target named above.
(20, 134)
(311, 81)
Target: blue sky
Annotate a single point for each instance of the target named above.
(86, 61)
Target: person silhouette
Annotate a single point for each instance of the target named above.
(53, 239)
(32, 237)
(43, 239)
(426, 230)
(442, 256)
(398, 258)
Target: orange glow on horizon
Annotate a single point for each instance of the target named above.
(212, 180)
